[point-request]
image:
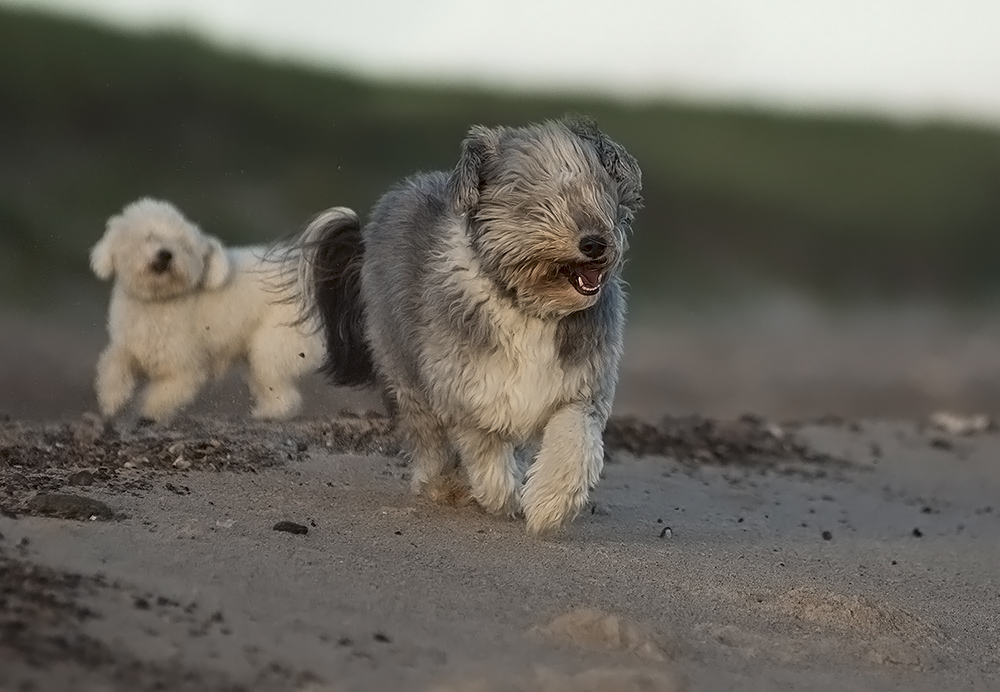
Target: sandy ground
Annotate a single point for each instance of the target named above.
(843, 553)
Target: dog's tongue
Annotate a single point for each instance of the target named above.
(590, 278)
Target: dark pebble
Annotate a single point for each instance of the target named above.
(941, 443)
(918, 533)
(68, 506)
(383, 638)
(827, 536)
(141, 603)
(81, 478)
(291, 527)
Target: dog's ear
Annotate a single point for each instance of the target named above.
(620, 164)
(217, 268)
(466, 180)
(101, 260)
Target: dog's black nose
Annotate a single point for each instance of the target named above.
(162, 260)
(593, 246)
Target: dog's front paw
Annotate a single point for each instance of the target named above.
(548, 509)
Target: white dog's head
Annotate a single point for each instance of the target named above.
(158, 254)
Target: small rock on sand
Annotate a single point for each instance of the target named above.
(81, 478)
(290, 527)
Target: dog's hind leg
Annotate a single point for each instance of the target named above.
(115, 380)
(167, 395)
(431, 456)
(492, 469)
(568, 465)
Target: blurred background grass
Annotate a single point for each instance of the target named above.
(739, 203)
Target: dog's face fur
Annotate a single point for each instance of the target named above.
(157, 254)
(548, 209)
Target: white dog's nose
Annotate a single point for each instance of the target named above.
(162, 261)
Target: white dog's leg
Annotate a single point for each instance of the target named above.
(115, 380)
(167, 395)
(568, 465)
(277, 359)
(492, 469)
(275, 398)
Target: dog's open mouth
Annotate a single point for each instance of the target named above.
(585, 278)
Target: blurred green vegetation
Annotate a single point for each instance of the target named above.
(737, 202)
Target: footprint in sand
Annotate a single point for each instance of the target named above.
(591, 680)
(595, 630)
(841, 625)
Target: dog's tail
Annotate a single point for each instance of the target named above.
(330, 285)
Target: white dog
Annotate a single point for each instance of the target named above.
(184, 308)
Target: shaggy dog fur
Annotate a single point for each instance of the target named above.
(184, 308)
(488, 303)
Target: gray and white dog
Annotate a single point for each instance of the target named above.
(488, 302)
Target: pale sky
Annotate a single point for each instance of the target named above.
(910, 59)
